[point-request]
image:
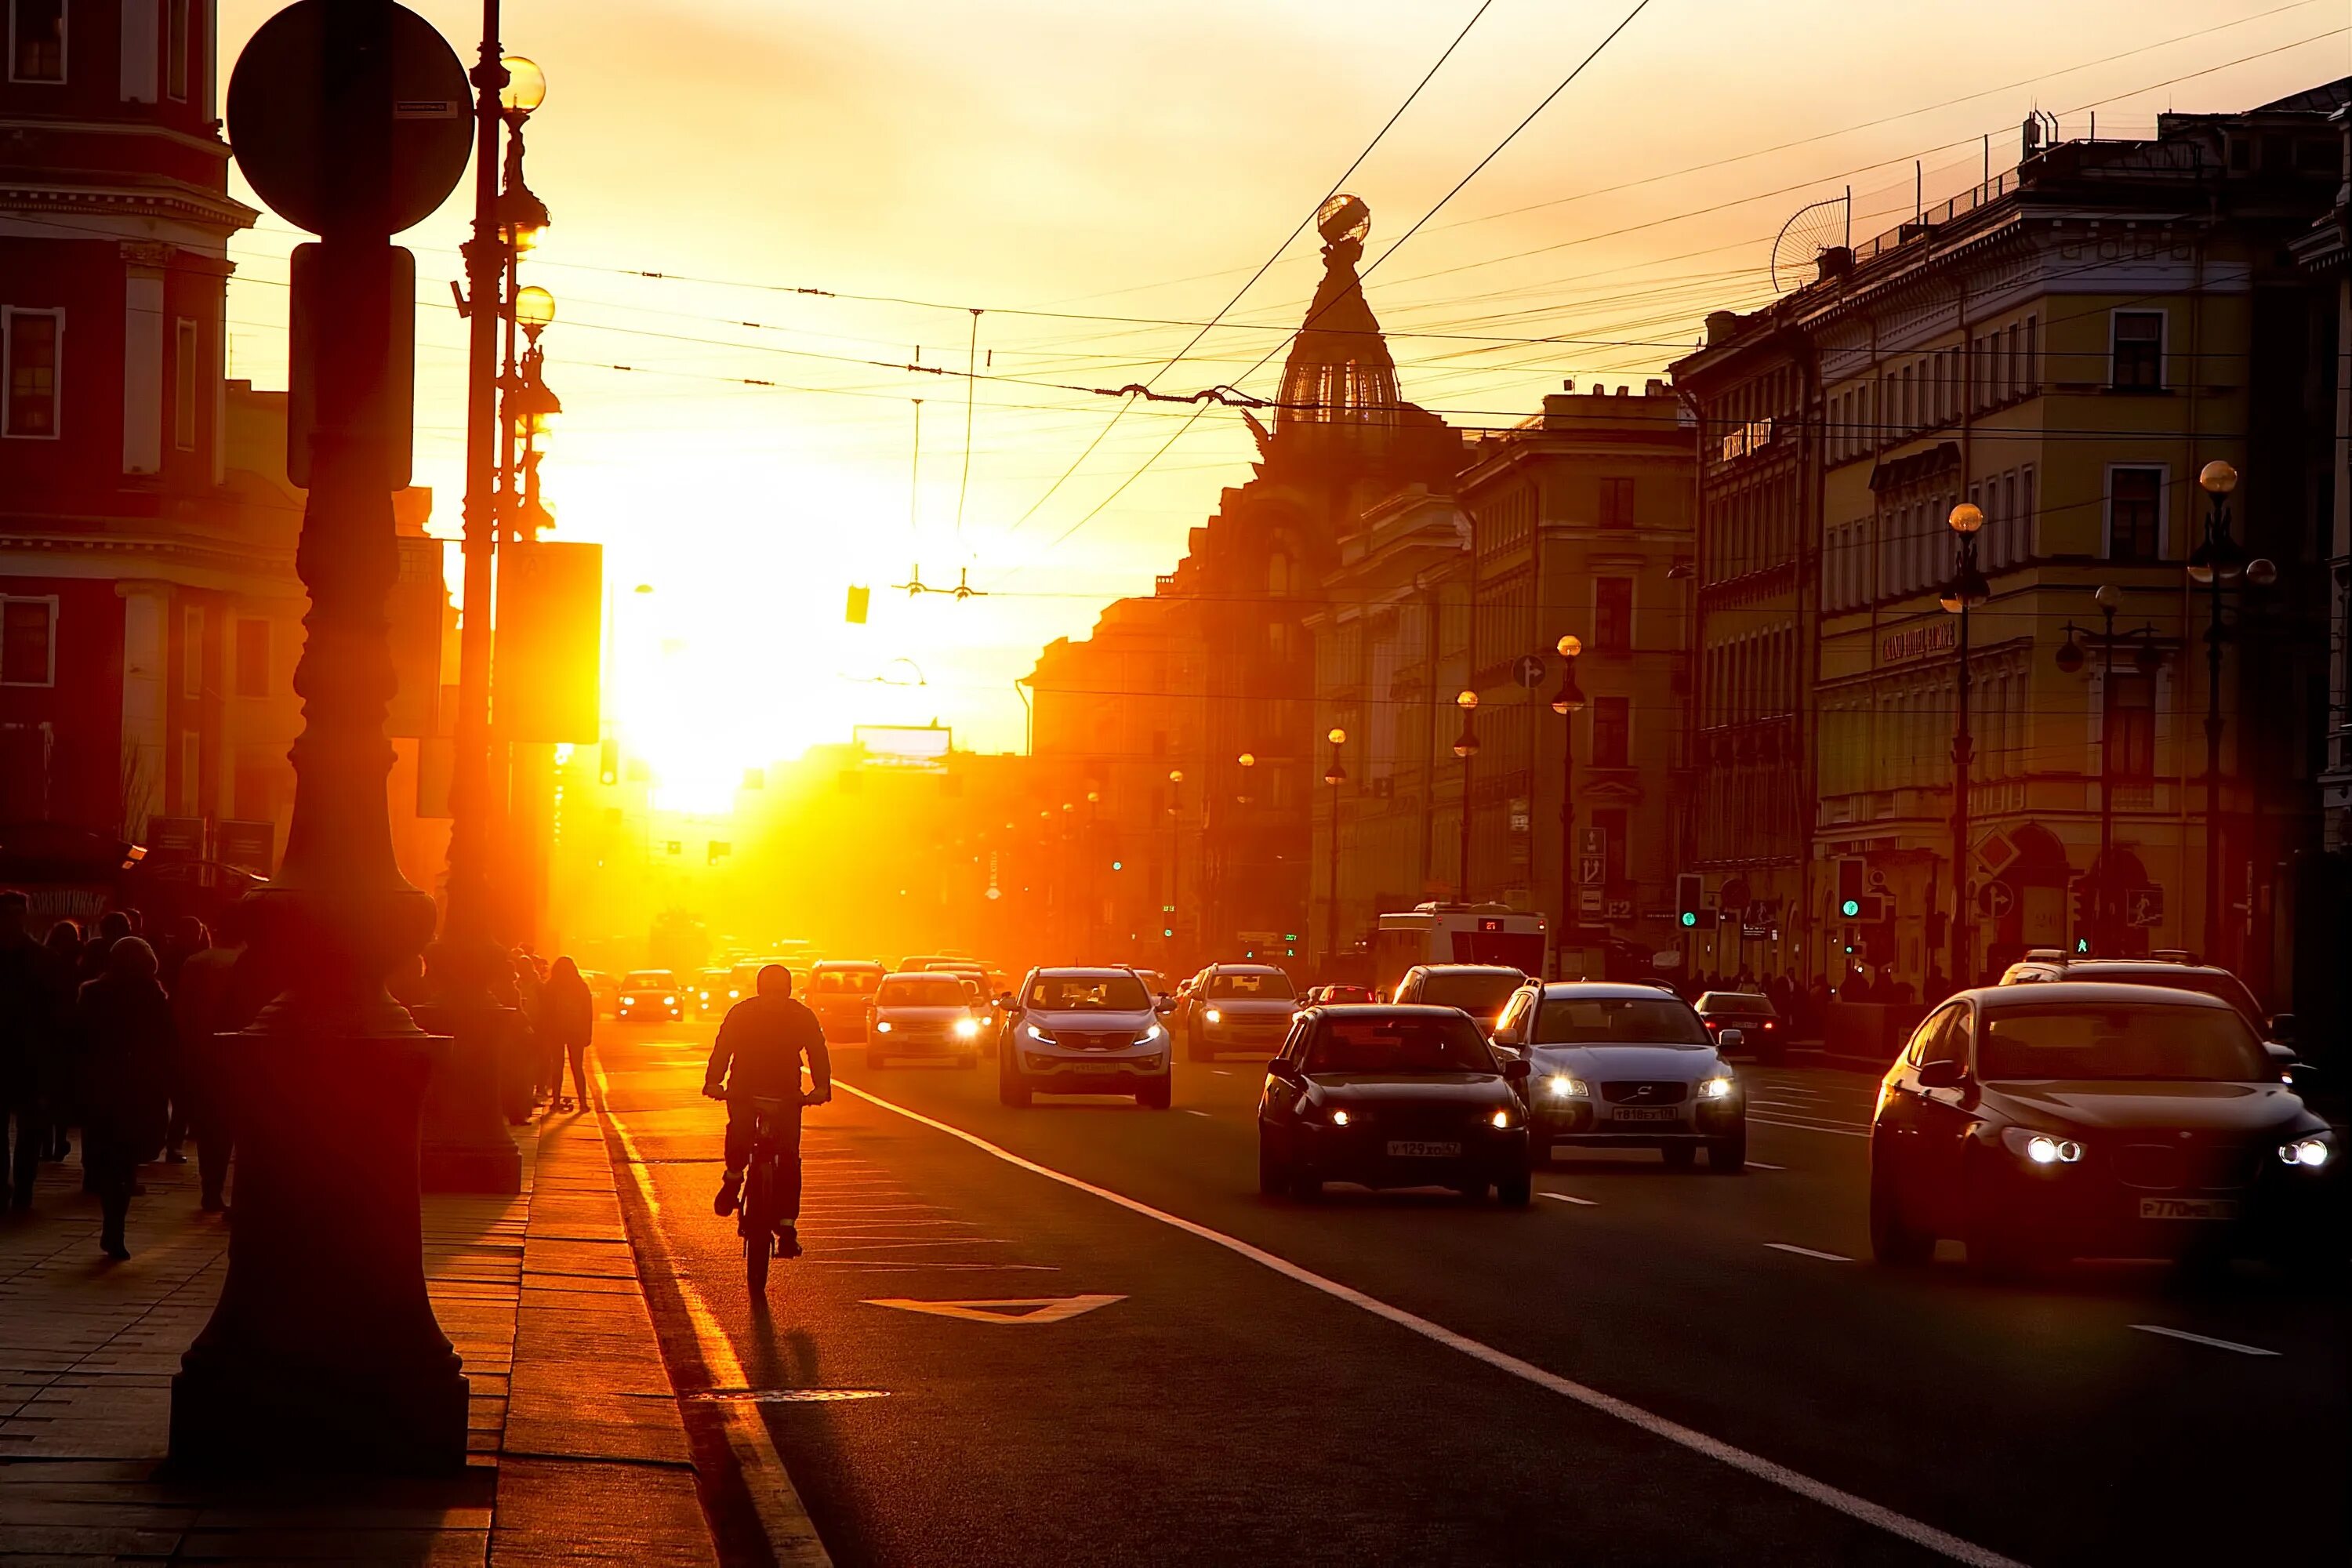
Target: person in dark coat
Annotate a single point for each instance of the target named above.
(125, 1024)
(220, 990)
(185, 938)
(60, 1074)
(567, 1019)
(30, 983)
(758, 1056)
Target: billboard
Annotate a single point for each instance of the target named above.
(544, 682)
(913, 748)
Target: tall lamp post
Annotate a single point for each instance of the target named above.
(1568, 702)
(1335, 775)
(1466, 746)
(1175, 871)
(2217, 562)
(1967, 589)
(2071, 659)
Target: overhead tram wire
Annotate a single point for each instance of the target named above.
(1272, 258)
(1639, 6)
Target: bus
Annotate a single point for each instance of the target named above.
(1456, 933)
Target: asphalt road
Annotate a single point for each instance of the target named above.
(1647, 1366)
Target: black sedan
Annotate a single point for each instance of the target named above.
(2037, 1123)
(1391, 1097)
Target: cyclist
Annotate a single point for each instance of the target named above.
(758, 1056)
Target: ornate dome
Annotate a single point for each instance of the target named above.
(1339, 372)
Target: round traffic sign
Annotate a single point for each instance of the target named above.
(277, 116)
(1528, 671)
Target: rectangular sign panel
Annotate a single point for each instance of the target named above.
(922, 748)
(418, 601)
(545, 684)
(394, 415)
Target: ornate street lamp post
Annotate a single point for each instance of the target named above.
(2217, 562)
(2109, 599)
(1566, 704)
(1966, 589)
(1466, 746)
(1335, 775)
(1175, 871)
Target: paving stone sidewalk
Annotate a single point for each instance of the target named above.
(578, 1453)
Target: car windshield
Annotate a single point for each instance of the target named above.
(648, 980)
(1398, 1045)
(2078, 1040)
(1480, 992)
(1735, 1003)
(845, 981)
(922, 991)
(1088, 994)
(1272, 986)
(1618, 1021)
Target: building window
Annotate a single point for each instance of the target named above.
(1612, 615)
(175, 52)
(1616, 503)
(2131, 726)
(253, 659)
(2138, 352)
(29, 642)
(1612, 721)
(192, 651)
(183, 386)
(2135, 514)
(31, 390)
(36, 40)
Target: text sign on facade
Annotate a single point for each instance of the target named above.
(1917, 642)
(545, 683)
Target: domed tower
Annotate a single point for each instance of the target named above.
(1339, 379)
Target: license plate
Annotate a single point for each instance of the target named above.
(1645, 1113)
(2188, 1208)
(1409, 1149)
(1096, 1069)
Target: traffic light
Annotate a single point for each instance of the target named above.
(608, 769)
(719, 849)
(2084, 896)
(1688, 889)
(1852, 886)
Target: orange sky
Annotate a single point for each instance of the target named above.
(1135, 160)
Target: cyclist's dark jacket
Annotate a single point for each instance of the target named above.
(762, 1042)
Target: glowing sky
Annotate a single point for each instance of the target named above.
(1139, 161)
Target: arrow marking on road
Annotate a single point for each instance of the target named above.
(2201, 1340)
(1900, 1525)
(1041, 1309)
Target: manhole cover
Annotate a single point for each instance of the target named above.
(786, 1395)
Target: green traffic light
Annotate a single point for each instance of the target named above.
(1690, 917)
(1850, 908)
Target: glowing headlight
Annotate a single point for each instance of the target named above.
(1037, 1034)
(1562, 1087)
(1214, 1016)
(669, 1001)
(967, 1028)
(1340, 1119)
(1500, 1121)
(1152, 1035)
(1715, 1088)
(883, 1027)
(2044, 1150)
(2309, 1152)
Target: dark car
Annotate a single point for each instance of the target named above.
(1481, 990)
(2038, 1123)
(1761, 1028)
(1391, 1097)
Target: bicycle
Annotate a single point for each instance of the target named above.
(758, 1218)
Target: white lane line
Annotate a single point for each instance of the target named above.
(783, 1518)
(1807, 1252)
(1802, 1127)
(1221, 1072)
(2202, 1340)
(1917, 1532)
(1765, 1165)
(1570, 1198)
(1203, 1114)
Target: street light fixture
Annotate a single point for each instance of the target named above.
(1567, 702)
(1466, 746)
(1965, 590)
(2071, 659)
(1335, 775)
(2219, 561)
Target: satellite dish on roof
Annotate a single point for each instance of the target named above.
(1809, 232)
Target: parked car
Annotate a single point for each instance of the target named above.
(650, 993)
(1235, 1007)
(714, 991)
(1761, 1028)
(1626, 1066)
(1391, 1096)
(1480, 990)
(1085, 1031)
(2067, 1118)
(840, 991)
(922, 1015)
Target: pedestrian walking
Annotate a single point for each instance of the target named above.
(59, 1067)
(125, 1024)
(185, 938)
(28, 1016)
(218, 994)
(568, 1018)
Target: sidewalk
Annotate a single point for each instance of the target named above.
(578, 1452)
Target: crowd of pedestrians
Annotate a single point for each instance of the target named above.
(128, 1045)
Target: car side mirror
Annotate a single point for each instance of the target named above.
(2283, 1028)
(1004, 998)
(1516, 1069)
(1283, 1068)
(1730, 1039)
(1163, 1003)
(1942, 1074)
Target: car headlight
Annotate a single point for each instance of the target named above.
(1213, 1017)
(1152, 1035)
(882, 1027)
(2041, 1148)
(1501, 1121)
(2310, 1154)
(1340, 1119)
(1561, 1086)
(669, 1001)
(967, 1028)
(1037, 1034)
(1716, 1087)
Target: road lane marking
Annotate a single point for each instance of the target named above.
(783, 1518)
(1569, 1198)
(1039, 1308)
(1807, 1252)
(1764, 1165)
(2202, 1340)
(1916, 1531)
(1189, 1112)
(1805, 1127)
